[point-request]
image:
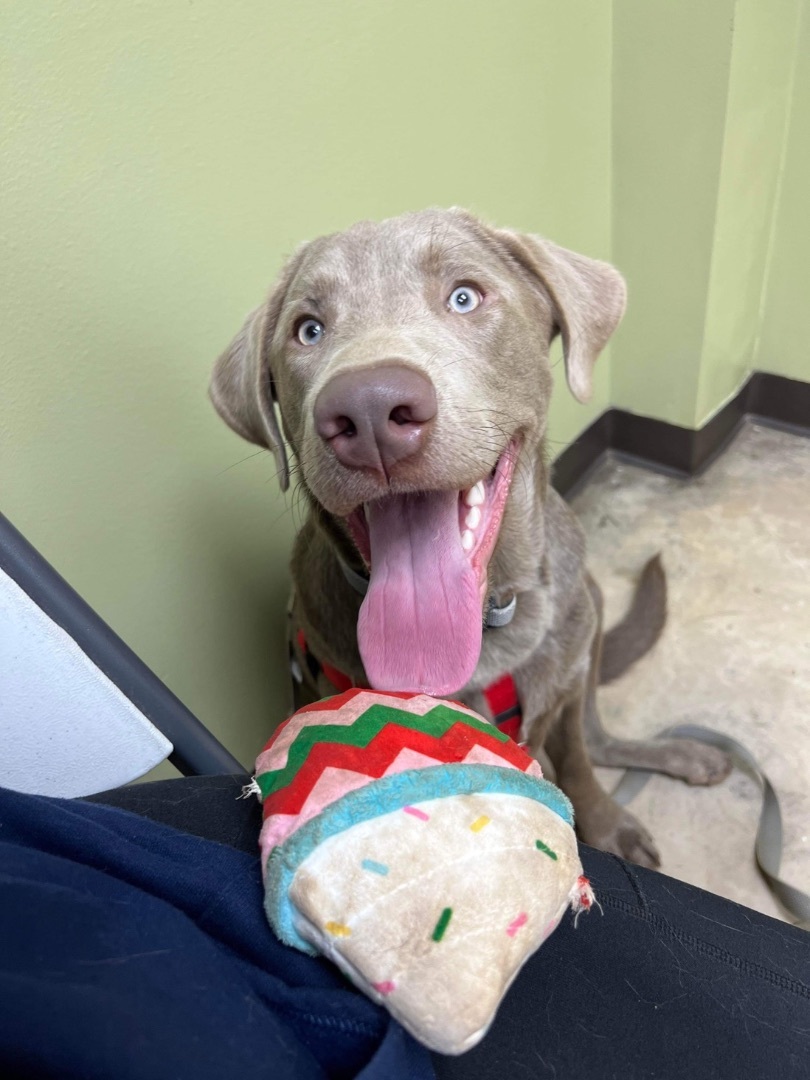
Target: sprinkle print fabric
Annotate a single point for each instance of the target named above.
(428, 887)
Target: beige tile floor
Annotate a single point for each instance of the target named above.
(735, 655)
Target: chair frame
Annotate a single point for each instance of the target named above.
(196, 751)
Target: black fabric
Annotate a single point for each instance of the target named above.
(132, 950)
(672, 982)
(212, 807)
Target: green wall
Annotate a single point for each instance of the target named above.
(710, 167)
(159, 161)
(669, 89)
(757, 109)
(783, 344)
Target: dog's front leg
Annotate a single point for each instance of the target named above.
(599, 820)
(557, 729)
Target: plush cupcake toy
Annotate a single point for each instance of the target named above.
(420, 849)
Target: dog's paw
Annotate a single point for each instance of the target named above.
(685, 759)
(697, 763)
(616, 830)
(632, 841)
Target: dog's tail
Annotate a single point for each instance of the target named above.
(638, 631)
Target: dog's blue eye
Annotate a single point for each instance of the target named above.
(464, 298)
(310, 331)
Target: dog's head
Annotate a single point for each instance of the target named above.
(409, 363)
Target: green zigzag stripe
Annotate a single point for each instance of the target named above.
(360, 733)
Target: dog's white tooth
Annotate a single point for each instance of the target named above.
(473, 518)
(476, 495)
(467, 540)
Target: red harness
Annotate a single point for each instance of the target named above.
(501, 695)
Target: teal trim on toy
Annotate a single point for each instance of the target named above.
(384, 796)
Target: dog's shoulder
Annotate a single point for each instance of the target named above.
(565, 547)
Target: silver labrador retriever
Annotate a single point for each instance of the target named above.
(409, 363)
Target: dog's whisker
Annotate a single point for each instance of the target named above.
(241, 461)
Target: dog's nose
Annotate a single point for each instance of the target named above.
(374, 417)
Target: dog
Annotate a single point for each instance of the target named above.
(408, 361)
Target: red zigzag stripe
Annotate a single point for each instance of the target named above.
(372, 760)
(336, 703)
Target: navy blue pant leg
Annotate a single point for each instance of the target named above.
(132, 951)
(669, 982)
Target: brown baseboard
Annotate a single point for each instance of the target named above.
(680, 451)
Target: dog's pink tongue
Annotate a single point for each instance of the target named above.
(420, 623)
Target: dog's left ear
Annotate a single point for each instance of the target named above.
(589, 298)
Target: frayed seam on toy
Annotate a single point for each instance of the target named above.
(582, 898)
(251, 789)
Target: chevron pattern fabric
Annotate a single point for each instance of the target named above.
(419, 848)
(346, 742)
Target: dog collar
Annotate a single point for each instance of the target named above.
(499, 616)
(496, 616)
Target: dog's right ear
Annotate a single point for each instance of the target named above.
(242, 390)
(242, 387)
